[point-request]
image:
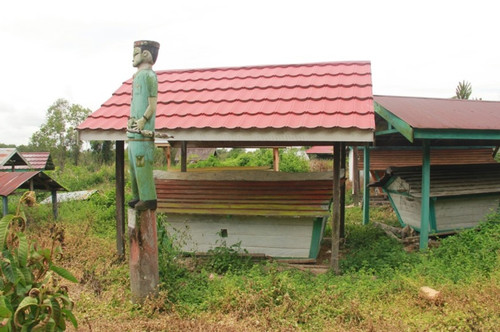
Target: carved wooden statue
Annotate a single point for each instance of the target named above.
(141, 124)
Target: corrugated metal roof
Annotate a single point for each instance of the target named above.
(10, 156)
(452, 180)
(433, 113)
(322, 95)
(320, 150)
(380, 159)
(10, 181)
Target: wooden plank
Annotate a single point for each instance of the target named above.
(260, 212)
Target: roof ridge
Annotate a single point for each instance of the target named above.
(312, 64)
(312, 111)
(258, 76)
(275, 87)
(437, 98)
(262, 100)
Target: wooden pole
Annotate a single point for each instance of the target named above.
(5, 203)
(355, 176)
(334, 262)
(168, 156)
(144, 273)
(366, 189)
(120, 198)
(426, 190)
(342, 191)
(54, 204)
(184, 156)
(276, 159)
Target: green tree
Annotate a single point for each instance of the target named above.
(58, 133)
(102, 151)
(463, 90)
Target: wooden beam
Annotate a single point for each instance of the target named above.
(366, 189)
(120, 198)
(426, 190)
(54, 204)
(334, 262)
(276, 159)
(143, 262)
(355, 176)
(342, 192)
(184, 156)
(5, 202)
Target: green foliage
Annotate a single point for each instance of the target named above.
(228, 258)
(290, 159)
(31, 298)
(57, 134)
(102, 151)
(463, 90)
(86, 177)
(470, 254)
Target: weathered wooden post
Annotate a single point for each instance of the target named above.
(334, 262)
(143, 262)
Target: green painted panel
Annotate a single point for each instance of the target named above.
(316, 237)
(456, 134)
(404, 128)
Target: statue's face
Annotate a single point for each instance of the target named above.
(137, 60)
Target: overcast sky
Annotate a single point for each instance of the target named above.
(82, 51)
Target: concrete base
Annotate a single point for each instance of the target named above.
(144, 276)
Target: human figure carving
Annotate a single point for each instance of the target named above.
(141, 123)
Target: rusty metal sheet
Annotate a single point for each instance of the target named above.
(10, 181)
(381, 159)
(453, 180)
(278, 198)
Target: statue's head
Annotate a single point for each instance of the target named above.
(145, 51)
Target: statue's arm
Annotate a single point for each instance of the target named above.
(148, 114)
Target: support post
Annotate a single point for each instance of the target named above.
(426, 191)
(144, 274)
(276, 159)
(342, 191)
(184, 156)
(5, 203)
(54, 204)
(168, 156)
(366, 182)
(334, 262)
(355, 176)
(120, 198)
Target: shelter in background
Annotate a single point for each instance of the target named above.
(320, 152)
(10, 159)
(24, 171)
(31, 180)
(437, 125)
(326, 104)
(25, 161)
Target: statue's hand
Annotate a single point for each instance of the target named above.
(139, 124)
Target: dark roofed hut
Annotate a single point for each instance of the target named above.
(432, 123)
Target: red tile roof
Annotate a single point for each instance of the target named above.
(433, 113)
(321, 95)
(320, 150)
(38, 161)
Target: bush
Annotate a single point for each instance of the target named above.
(31, 298)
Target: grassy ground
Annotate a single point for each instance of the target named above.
(377, 291)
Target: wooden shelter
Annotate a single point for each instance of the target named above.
(271, 213)
(460, 195)
(258, 106)
(430, 123)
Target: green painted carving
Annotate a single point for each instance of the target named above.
(141, 125)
